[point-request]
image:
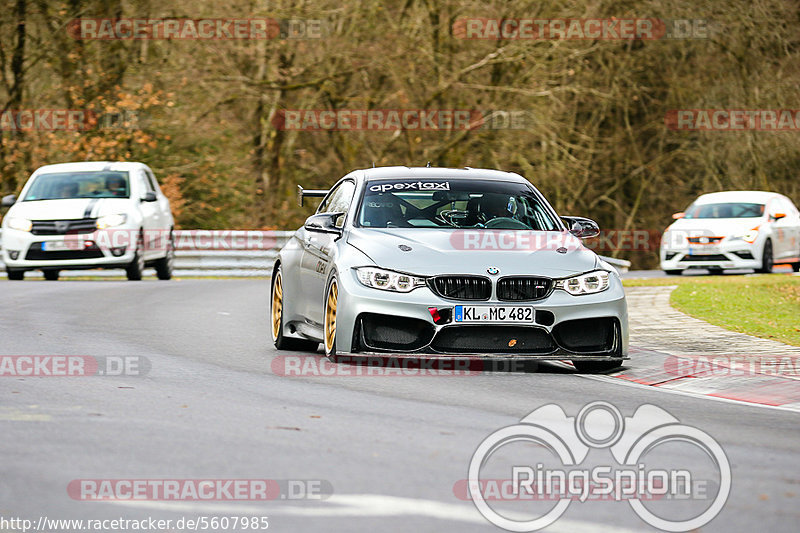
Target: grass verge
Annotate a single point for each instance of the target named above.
(765, 306)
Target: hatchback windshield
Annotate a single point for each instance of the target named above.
(726, 210)
(442, 203)
(65, 185)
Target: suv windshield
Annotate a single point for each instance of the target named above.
(449, 203)
(65, 185)
(726, 210)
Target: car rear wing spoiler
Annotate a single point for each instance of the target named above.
(309, 193)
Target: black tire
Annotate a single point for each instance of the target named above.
(796, 267)
(715, 271)
(593, 367)
(673, 272)
(51, 275)
(767, 261)
(15, 275)
(165, 264)
(281, 342)
(331, 304)
(136, 267)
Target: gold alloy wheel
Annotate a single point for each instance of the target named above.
(277, 306)
(330, 317)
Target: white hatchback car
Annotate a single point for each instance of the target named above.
(88, 215)
(733, 229)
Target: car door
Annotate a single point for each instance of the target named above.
(791, 226)
(151, 217)
(164, 210)
(317, 248)
(781, 239)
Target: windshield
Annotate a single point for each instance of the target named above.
(726, 210)
(65, 185)
(448, 203)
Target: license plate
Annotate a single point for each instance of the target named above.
(505, 314)
(708, 249)
(58, 246)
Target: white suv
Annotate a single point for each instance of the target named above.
(88, 215)
(733, 229)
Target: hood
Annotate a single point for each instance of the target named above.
(69, 209)
(715, 227)
(438, 251)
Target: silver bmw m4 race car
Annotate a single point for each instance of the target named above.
(436, 262)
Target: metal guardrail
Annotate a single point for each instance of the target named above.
(229, 253)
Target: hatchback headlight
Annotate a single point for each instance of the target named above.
(21, 224)
(749, 237)
(589, 283)
(111, 221)
(388, 280)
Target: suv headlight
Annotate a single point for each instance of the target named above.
(111, 221)
(589, 283)
(388, 280)
(21, 224)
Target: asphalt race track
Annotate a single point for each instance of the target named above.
(390, 448)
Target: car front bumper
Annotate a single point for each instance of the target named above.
(25, 251)
(728, 254)
(586, 327)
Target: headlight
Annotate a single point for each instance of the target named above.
(589, 283)
(388, 280)
(110, 221)
(749, 237)
(21, 224)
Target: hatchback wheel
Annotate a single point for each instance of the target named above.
(767, 261)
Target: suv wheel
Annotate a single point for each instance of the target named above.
(136, 267)
(164, 265)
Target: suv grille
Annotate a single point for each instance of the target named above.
(61, 227)
(462, 287)
(519, 289)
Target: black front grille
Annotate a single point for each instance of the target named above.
(462, 287)
(389, 332)
(704, 240)
(62, 227)
(709, 257)
(523, 288)
(493, 340)
(35, 253)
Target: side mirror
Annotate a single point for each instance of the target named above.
(678, 216)
(149, 196)
(582, 228)
(778, 216)
(9, 200)
(324, 223)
